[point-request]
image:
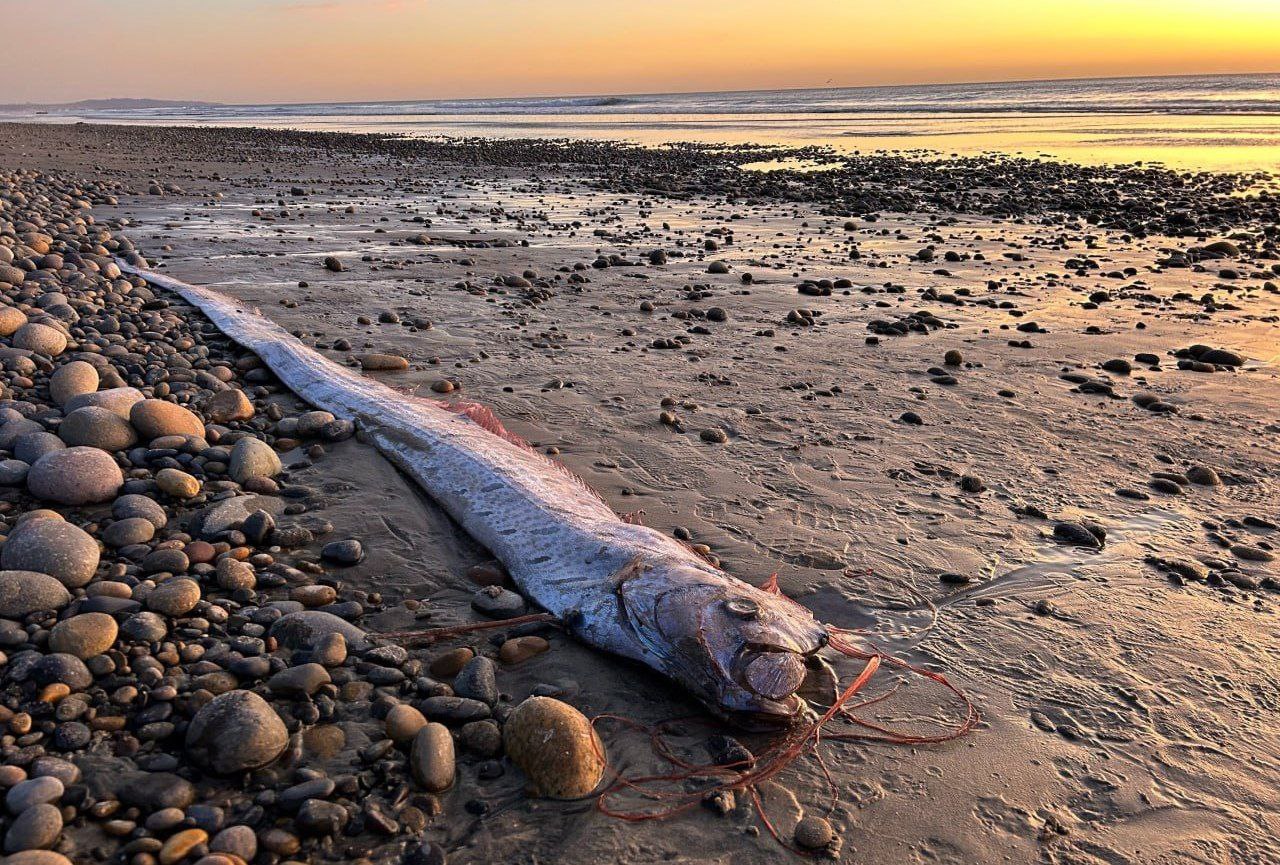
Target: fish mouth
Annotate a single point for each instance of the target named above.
(765, 718)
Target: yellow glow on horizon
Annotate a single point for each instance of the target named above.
(332, 50)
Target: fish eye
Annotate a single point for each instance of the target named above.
(743, 608)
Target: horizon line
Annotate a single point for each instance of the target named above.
(797, 88)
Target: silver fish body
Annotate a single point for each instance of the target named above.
(621, 587)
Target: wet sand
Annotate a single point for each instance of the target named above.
(1127, 717)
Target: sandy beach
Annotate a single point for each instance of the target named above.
(1013, 421)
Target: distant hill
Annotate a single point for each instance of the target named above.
(105, 105)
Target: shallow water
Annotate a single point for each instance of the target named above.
(1216, 123)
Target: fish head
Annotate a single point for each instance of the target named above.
(742, 651)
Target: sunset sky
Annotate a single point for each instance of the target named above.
(336, 50)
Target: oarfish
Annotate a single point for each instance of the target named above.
(623, 588)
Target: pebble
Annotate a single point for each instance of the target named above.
(298, 682)
(521, 649)
(375, 362)
(498, 603)
(75, 476)
(403, 723)
(450, 662)
(72, 380)
(34, 791)
(54, 547)
(84, 636)
(814, 833)
(177, 483)
(133, 505)
(40, 338)
(1204, 476)
(556, 748)
(348, 552)
(235, 732)
(253, 458)
(156, 418)
(227, 406)
(305, 628)
(174, 597)
(478, 681)
(431, 758)
(97, 428)
(179, 845)
(36, 828)
(25, 592)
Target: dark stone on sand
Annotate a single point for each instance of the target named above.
(235, 732)
(304, 630)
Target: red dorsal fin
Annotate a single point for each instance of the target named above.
(483, 416)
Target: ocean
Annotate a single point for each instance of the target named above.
(1215, 122)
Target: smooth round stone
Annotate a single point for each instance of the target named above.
(13, 473)
(431, 758)
(134, 505)
(97, 427)
(39, 514)
(403, 723)
(378, 362)
(228, 405)
(304, 630)
(144, 627)
(120, 400)
(233, 574)
(174, 597)
(450, 662)
(348, 552)
(134, 530)
(253, 458)
(239, 841)
(36, 828)
(75, 476)
(71, 380)
(519, 649)
(235, 732)
(37, 857)
(331, 651)
(65, 552)
(177, 483)
(85, 635)
(154, 418)
(11, 318)
(1204, 476)
(60, 667)
(314, 595)
(32, 792)
(169, 561)
(14, 429)
(318, 817)
(25, 592)
(40, 338)
(179, 845)
(316, 788)
(310, 423)
(33, 445)
(556, 748)
(298, 682)
(56, 767)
